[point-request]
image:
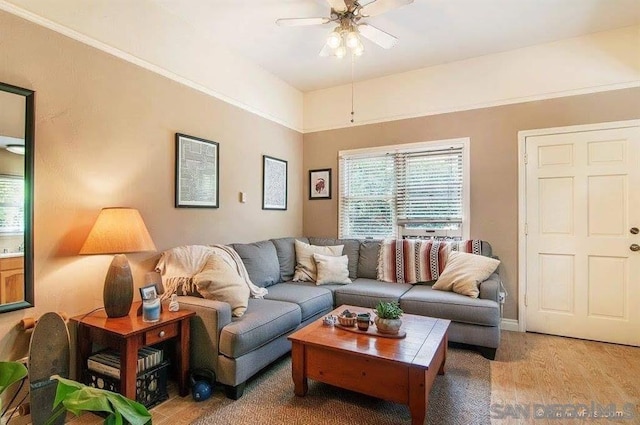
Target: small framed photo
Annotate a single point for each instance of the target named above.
(274, 183)
(148, 292)
(197, 171)
(320, 184)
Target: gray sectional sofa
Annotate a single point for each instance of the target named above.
(237, 348)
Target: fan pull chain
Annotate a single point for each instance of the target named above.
(353, 61)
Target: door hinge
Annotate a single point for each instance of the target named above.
(526, 158)
(526, 300)
(526, 229)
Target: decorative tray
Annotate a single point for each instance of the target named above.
(372, 331)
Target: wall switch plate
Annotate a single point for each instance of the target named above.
(501, 297)
(243, 197)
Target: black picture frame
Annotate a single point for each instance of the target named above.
(274, 183)
(320, 184)
(197, 174)
(148, 292)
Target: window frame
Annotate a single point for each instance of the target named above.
(463, 143)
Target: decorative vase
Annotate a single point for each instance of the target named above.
(388, 326)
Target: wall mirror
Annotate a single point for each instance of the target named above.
(16, 197)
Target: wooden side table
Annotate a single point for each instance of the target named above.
(128, 334)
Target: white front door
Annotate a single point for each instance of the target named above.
(582, 221)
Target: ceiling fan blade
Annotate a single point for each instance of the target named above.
(326, 51)
(381, 38)
(294, 22)
(337, 5)
(379, 7)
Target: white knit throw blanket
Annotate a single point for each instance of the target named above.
(177, 267)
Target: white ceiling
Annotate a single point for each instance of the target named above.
(430, 32)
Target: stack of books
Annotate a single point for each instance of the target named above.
(107, 362)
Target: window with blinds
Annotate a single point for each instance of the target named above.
(411, 191)
(11, 204)
(367, 196)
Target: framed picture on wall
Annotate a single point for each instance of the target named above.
(197, 171)
(320, 184)
(274, 183)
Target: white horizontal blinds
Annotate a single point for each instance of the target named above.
(367, 201)
(11, 204)
(429, 186)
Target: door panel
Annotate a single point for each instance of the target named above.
(603, 193)
(557, 283)
(608, 287)
(556, 205)
(583, 196)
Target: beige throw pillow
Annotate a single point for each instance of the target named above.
(331, 269)
(306, 265)
(220, 281)
(463, 273)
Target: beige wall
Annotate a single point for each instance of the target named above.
(494, 160)
(105, 137)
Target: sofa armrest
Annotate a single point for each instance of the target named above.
(211, 317)
(490, 288)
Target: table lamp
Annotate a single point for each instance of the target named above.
(118, 231)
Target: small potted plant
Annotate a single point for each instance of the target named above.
(76, 398)
(388, 317)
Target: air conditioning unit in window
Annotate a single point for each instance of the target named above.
(430, 229)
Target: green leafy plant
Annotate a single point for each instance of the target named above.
(388, 310)
(10, 373)
(77, 398)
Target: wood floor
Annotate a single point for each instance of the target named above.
(531, 372)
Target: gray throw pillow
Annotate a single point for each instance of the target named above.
(368, 263)
(287, 256)
(261, 262)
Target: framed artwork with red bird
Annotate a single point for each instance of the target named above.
(320, 184)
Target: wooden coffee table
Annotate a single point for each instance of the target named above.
(398, 370)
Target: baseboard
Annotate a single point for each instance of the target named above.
(509, 325)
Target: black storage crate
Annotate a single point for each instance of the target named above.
(151, 385)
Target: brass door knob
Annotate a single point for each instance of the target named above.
(634, 247)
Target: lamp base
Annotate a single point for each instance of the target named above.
(118, 287)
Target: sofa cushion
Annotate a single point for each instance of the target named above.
(261, 262)
(312, 300)
(286, 251)
(305, 264)
(331, 287)
(351, 249)
(464, 272)
(368, 260)
(331, 269)
(264, 321)
(425, 301)
(368, 292)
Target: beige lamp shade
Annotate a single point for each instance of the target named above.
(118, 231)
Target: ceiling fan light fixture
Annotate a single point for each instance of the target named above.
(341, 52)
(334, 39)
(359, 49)
(352, 40)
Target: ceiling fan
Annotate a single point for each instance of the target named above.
(349, 16)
